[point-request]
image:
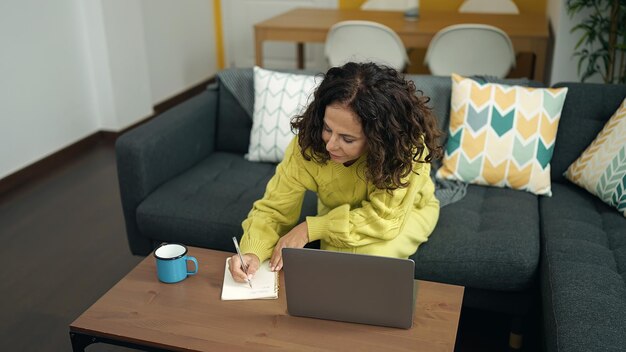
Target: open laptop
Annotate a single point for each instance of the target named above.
(349, 287)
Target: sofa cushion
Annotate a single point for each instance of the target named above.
(587, 108)
(583, 271)
(502, 135)
(487, 240)
(206, 205)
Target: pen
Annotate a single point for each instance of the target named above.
(244, 266)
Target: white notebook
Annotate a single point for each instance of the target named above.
(264, 285)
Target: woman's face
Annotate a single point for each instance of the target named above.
(343, 134)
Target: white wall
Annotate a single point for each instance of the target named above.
(180, 44)
(45, 101)
(564, 65)
(124, 63)
(70, 68)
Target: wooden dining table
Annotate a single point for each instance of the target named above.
(529, 32)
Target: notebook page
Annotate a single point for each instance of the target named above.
(264, 285)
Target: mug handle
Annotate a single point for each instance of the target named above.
(193, 259)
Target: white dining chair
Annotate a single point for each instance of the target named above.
(365, 41)
(470, 49)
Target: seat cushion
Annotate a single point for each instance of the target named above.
(487, 240)
(583, 271)
(205, 206)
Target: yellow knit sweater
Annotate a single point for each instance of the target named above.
(353, 215)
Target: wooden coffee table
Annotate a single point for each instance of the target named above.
(141, 312)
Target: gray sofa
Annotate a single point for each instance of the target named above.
(583, 241)
(183, 178)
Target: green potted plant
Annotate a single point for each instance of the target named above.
(601, 48)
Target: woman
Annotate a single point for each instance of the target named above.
(364, 145)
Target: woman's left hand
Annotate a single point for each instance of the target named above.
(298, 237)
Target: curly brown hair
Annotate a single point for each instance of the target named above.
(396, 121)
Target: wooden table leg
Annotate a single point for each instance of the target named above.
(300, 55)
(258, 48)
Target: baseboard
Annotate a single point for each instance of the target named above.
(63, 156)
(43, 166)
(179, 98)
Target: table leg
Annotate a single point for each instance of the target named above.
(258, 47)
(540, 61)
(81, 341)
(300, 55)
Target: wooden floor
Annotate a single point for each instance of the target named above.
(64, 245)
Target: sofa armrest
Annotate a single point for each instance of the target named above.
(155, 152)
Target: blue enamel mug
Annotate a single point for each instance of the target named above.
(171, 263)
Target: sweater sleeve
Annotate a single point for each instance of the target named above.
(279, 209)
(379, 218)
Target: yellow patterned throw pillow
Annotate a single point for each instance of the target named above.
(502, 135)
(601, 168)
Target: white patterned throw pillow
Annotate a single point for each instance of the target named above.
(278, 97)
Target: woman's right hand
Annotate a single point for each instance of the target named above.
(237, 272)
